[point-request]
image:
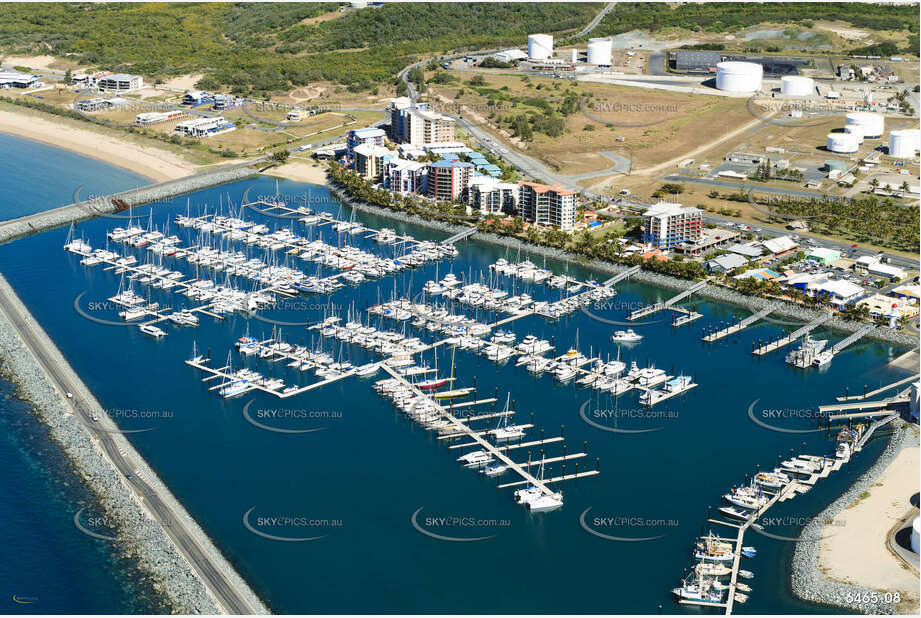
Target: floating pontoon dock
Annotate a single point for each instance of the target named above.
(712, 336)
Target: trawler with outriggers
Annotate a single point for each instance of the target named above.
(810, 354)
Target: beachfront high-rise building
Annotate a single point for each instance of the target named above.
(422, 127)
(397, 110)
(448, 180)
(492, 196)
(402, 176)
(370, 160)
(369, 135)
(547, 205)
(667, 224)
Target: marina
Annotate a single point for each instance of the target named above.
(761, 350)
(372, 431)
(669, 304)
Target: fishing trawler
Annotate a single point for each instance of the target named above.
(805, 355)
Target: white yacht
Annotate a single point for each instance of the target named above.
(475, 459)
(626, 336)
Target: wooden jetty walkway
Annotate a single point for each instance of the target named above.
(784, 341)
(668, 304)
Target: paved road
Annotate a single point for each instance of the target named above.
(51, 361)
(729, 184)
(596, 20)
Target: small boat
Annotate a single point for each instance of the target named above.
(746, 574)
(626, 336)
(749, 552)
(495, 469)
(711, 569)
(736, 512)
(743, 587)
(739, 597)
(153, 331)
(823, 358)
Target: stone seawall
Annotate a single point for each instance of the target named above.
(138, 532)
(88, 209)
(795, 312)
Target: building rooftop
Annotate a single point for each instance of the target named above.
(728, 261)
(779, 244)
(453, 163)
(539, 188)
(750, 251)
(669, 209)
(369, 132)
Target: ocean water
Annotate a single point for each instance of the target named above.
(362, 484)
(50, 566)
(37, 177)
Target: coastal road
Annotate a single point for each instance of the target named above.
(228, 597)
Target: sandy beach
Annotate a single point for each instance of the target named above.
(154, 163)
(314, 173)
(857, 551)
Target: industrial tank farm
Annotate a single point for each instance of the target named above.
(738, 76)
(904, 143)
(540, 46)
(872, 124)
(796, 86)
(599, 51)
(843, 143)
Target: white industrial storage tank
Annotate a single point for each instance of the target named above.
(540, 46)
(872, 124)
(738, 76)
(904, 143)
(599, 51)
(856, 130)
(842, 142)
(796, 86)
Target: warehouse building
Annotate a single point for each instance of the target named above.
(697, 61)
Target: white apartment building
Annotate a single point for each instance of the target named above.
(404, 177)
(370, 160)
(668, 224)
(490, 196)
(422, 127)
(547, 205)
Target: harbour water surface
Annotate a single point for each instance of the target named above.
(357, 481)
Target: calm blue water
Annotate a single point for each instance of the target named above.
(49, 566)
(358, 481)
(38, 177)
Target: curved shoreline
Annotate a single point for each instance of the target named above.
(710, 291)
(174, 576)
(807, 581)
